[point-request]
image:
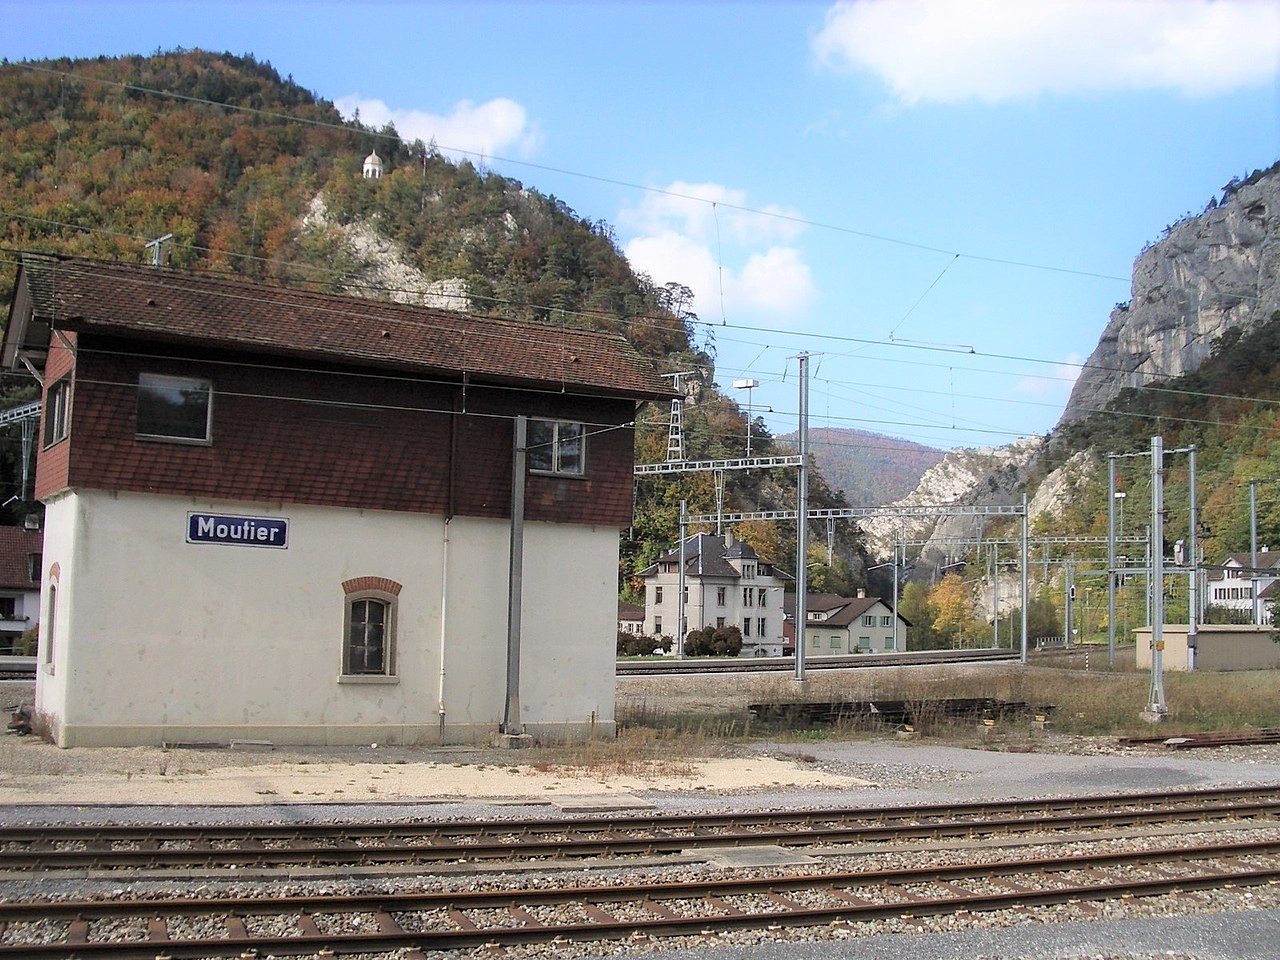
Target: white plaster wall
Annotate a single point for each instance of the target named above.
(52, 673)
(167, 640)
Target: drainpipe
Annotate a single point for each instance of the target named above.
(511, 724)
(458, 406)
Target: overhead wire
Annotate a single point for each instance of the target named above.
(691, 322)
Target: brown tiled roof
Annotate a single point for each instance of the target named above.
(16, 544)
(629, 611)
(170, 306)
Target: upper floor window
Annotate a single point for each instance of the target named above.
(760, 597)
(720, 596)
(886, 621)
(57, 407)
(869, 620)
(175, 408)
(748, 571)
(557, 447)
(657, 594)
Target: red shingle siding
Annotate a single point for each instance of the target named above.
(335, 438)
(51, 464)
(16, 546)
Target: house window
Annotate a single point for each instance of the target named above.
(57, 407)
(864, 643)
(719, 623)
(760, 629)
(369, 630)
(746, 627)
(869, 620)
(816, 642)
(748, 595)
(174, 408)
(720, 595)
(760, 596)
(835, 642)
(49, 634)
(886, 621)
(34, 562)
(657, 626)
(557, 447)
(748, 571)
(8, 608)
(657, 594)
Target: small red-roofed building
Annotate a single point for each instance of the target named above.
(280, 515)
(20, 564)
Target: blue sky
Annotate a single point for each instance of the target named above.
(939, 200)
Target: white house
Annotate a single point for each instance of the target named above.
(288, 516)
(837, 625)
(20, 564)
(725, 584)
(1231, 586)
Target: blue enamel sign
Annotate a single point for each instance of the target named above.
(238, 531)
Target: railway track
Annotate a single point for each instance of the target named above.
(26, 850)
(628, 668)
(332, 925)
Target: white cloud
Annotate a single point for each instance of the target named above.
(776, 280)
(992, 50)
(496, 127)
(1054, 386)
(710, 212)
(733, 258)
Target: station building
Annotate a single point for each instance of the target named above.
(287, 516)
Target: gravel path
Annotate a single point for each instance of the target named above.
(1239, 924)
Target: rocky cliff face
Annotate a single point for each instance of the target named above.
(985, 476)
(379, 266)
(1210, 273)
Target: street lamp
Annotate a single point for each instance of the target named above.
(747, 385)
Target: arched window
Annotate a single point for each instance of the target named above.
(369, 628)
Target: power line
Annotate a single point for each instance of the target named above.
(659, 191)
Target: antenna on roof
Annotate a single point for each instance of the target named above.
(157, 258)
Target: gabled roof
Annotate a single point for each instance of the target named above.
(1267, 565)
(842, 611)
(16, 546)
(704, 556)
(170, 306)
(629, 611)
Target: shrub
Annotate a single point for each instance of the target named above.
(29, 642)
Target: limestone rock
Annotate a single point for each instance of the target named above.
(1211, 273)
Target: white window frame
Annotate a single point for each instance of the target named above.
(548, 448)
(57, 411)
(159, 381)
(390, 604)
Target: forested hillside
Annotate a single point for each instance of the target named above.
(868, 468)
(98, 157)
(1228, 409)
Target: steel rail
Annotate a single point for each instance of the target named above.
(453, 920)
(78, 847)
(627, 668)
